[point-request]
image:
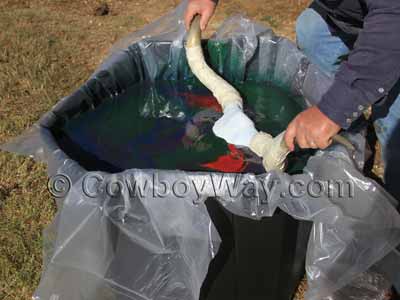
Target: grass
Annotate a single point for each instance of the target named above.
(271, 21)
(36, 69)
(48, 48)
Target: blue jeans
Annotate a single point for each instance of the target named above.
(325, 50)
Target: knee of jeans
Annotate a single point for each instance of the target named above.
(381, 131)
(388, 131)
(307, 26)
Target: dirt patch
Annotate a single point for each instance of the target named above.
(102, 10)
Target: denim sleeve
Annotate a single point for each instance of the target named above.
(372, 68)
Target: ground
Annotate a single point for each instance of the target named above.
(48, 48)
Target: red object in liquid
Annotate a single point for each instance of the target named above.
(202, 101)
(234, 162)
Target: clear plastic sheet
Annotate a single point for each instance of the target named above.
(369, 285)
(121, 248)
(107, 243)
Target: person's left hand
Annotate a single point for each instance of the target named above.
(311, 129)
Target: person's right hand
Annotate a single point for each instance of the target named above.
(204, 8)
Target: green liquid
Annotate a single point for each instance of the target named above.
(168, 125)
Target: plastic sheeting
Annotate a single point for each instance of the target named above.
(109, 243)
(370, 285)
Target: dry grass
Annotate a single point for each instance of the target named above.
(280, 15)
(301, 290)
(47, 49)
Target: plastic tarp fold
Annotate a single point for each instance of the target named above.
(109, 242)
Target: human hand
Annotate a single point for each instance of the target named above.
(311, 129)
(204, 8)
